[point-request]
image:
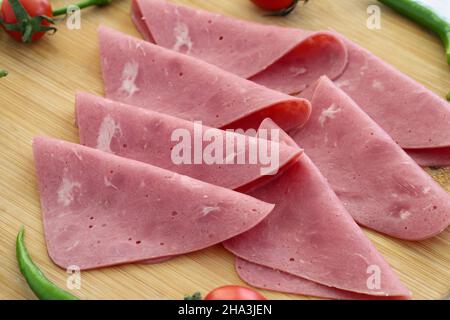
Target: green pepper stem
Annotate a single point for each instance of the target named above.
(82, 4)
(3, 73)
(425, 16)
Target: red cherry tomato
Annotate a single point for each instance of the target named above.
(234, 293)
(274, 5)
(34, 8)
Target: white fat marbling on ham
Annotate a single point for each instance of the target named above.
(108, 183)
(343, 83)
(297, 71)
(329, 113)
(378, 85)
(208, 210)
(65, 191)
(426, 190)
(129, 75)
(139, 47)
(108, 129)
(404, 214)
(182, 39)
(73, 246)
(77, 154)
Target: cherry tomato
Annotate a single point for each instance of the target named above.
(274, 5)
(234, 293)
(34, 8)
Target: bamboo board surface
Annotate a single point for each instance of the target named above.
(37, 97)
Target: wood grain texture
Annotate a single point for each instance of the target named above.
(38, 98)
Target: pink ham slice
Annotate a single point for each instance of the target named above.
(276, 280)
(412, 115)
(280, 58)
(101, 210)
(288, 60)
(437, 157)
(146, 136)
(310, 235)
(378, 183)
(142, 74)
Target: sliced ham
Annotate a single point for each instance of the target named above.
(437, 157)
(101, 210)
(412, 115)
(378, 183)
(276, 280)
(139, 73)
(289, 60)
(310, 235)
(280, 58)
(146, 136)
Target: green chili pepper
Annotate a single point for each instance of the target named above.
(425, 16)
(43, 288)
(3, 73)
(82, 4)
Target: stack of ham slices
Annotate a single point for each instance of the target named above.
(353, 132)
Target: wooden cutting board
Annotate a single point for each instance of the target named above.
(37, 98)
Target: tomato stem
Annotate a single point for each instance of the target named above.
(26, 24)
(288, 10)
(82, 4)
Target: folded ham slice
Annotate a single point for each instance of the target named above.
(288, 60)
(378, 183)
(412, 115)
(310, 235)
(276, 280)
(280, 58)
(437, 157)
(148, 76)
(146, 136)
(101, 210)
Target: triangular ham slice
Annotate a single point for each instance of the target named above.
(276, 280)
(280, 58)
(378, 183)
(289, 59)
(310, 235)
(147, 136)
(101, 210)
(411, 114)
(146, 75)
